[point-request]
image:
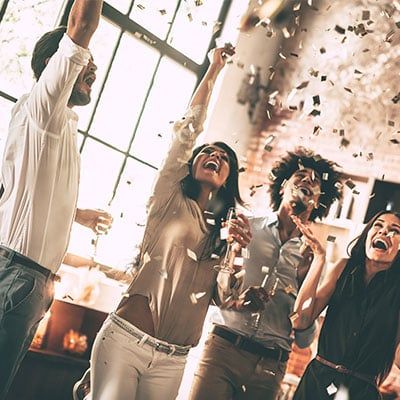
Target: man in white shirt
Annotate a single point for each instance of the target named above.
(39, 182)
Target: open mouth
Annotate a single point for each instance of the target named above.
(305, 191)
(380, 244)
(212, 165)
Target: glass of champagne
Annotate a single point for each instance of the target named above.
(230, 254)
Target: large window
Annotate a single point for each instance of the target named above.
(150, 56)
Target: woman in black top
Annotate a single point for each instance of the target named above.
(359, 337)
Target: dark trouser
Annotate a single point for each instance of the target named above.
(226, 372)
(25, 296)
(318, 378)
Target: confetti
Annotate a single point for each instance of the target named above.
(302, 85)
(325, 176)
(340, 30)
(238, 261)
(331, 389)
(245, 253)
(240, 274)
(331, 238)
(163, 273)
(350, 184)
(194, 297)
(141, 7)
(146, 258)
(191, 254)
(162, 12)
(365, 15)
(223, 233)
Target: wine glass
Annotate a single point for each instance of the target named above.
(226, 265)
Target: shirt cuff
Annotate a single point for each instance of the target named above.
(71, 50)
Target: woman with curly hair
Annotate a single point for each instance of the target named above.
(360, 334)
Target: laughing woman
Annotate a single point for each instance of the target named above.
(360, 334)
(140, 352)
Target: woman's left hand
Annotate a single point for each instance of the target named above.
(309, 237)
(219, 55)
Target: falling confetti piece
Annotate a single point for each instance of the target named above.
(194, 297)
(146, 258)
(191, 254)
(331, 238)
(331, 389)
(340, 30)
(238, 261)
(240, 274)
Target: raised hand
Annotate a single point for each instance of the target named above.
(219, 55)
(309, 237)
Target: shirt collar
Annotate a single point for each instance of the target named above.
(271, 220)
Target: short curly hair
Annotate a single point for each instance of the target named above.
(331, 187)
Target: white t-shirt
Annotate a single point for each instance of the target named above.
(40, 168)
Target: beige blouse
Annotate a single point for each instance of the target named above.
(179, 286)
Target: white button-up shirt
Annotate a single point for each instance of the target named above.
(40, 169)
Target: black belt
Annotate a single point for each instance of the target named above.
(26, 262)
(244, 343)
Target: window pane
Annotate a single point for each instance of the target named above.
(5, 115)
(167, 102)
(23, 24)
(155, 16)
(124, 93)
(102, 47)
(100, 168)
(193, 27)
(128, 208)
(120, 5)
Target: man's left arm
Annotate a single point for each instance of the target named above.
(98, 221)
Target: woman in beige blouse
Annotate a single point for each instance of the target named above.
(140, 352)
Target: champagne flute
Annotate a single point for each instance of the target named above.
(229, 258)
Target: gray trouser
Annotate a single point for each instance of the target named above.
(25, 296)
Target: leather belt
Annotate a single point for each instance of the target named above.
(343, 370)
(244, 343)
(27, 262)
(158, 345)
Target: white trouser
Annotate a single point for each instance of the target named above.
(124, 368)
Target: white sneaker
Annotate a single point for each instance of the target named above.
(81, 389)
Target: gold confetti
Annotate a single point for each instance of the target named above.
(194, 297)
(191, 254)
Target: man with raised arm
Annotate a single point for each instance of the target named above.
(39, 182)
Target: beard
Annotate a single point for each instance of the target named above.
(79, 98)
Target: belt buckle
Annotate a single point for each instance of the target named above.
(342, 369)
(238, 341)
(172, 350)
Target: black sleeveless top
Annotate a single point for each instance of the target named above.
(361, 323)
